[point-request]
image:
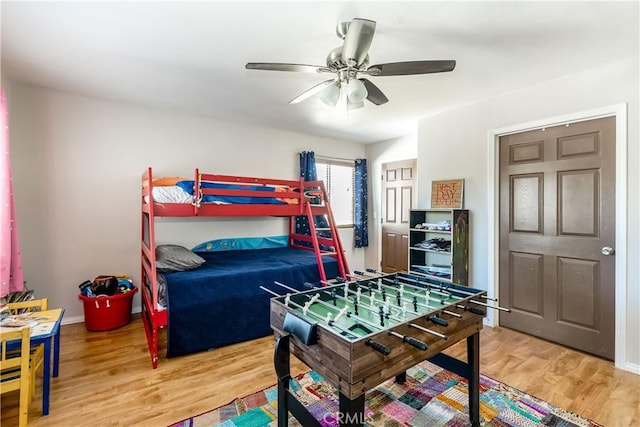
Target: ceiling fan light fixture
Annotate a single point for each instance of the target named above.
(331, 94)
(356, 91)
(354, 105)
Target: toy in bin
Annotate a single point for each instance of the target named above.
(106, 285)
(107, 302)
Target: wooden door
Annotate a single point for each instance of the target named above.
(557, 234)
(398, 180)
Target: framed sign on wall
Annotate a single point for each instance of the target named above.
(447, 194)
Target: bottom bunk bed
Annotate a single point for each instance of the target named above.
(221, 303)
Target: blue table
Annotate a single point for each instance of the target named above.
(44, 332)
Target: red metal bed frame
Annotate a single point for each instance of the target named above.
(311, 200)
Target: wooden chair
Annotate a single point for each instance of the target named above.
(41, 304)
(37, 353)
(15, 371)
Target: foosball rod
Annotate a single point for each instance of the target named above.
(444, 287)
(409, 340)
(440, 288)
(292, 303)
(368, 272)
(426, 297)
(429, 316)
(408, 300)
(312, 313)
(334, 309)
(434, 318)
(431, 287)
(463, 292)
(414, 293)
(379, 284)
(345, 284)
(369, 342)
(427, 330)
(371, 272)
(495, 307)
(355, 316)
(466, 308)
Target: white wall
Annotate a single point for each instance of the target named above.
(77, 164)
(454, 144)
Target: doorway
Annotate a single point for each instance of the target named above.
(398, 197)
(557, 222)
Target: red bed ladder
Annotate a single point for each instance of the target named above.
(325, 241)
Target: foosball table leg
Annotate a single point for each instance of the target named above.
(281, 361)
(401, 378)
(287, 402)
(473, 362)
(351, 412)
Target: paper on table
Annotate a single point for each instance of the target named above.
(42, 328)
(16, 322)
(38, 325)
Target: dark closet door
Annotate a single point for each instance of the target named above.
(557, 234)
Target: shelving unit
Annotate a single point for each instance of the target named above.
(439, 244)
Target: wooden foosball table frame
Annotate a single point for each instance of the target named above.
(354, 366)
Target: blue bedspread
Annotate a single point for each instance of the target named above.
(241, 200)
(221, 302)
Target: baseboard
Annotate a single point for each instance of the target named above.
(72, 320)
(631, 367)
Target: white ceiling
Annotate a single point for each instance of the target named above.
(190, 56)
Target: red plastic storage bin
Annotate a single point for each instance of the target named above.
(103, 313)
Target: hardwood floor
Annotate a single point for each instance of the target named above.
(106, 379)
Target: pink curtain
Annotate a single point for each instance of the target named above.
(11, 277)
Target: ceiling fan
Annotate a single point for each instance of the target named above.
(348, 62)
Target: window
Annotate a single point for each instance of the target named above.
(338, 180)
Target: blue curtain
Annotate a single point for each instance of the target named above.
(308, 172)
(361, 223)
(308, 169)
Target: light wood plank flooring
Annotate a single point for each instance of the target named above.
(106, 379)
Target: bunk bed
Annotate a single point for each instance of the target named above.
(220, 302)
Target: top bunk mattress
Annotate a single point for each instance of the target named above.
(182, 192)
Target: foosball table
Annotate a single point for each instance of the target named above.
(362, 332)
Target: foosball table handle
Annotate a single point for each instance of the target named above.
(474, 310)
(378, 347)
(439, 321)
(416, 343)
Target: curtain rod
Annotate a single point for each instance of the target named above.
(339, 159)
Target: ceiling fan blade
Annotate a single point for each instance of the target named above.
(375, 95)
(310, 92)
(275, 66)
(357, 41)
(410, 67)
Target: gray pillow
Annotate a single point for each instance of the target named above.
(176, 258)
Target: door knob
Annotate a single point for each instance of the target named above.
(607, 251)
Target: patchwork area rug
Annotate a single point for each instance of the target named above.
(431, 396)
